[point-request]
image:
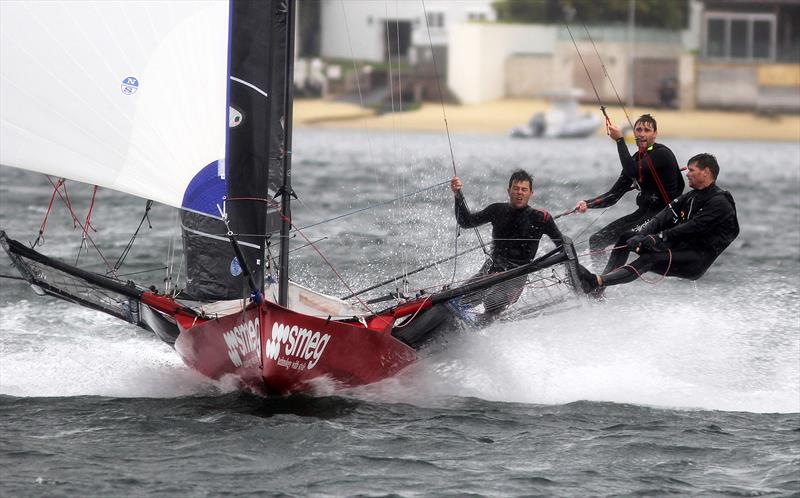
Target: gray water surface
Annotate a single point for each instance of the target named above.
(673, 387)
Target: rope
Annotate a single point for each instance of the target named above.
(40, 238)
(129, 246)
(565, 213)
(449, 140)
(65, 199)
(605, 72)
(414, 315)
(659, 279)
(654, 173)
(321, 255)
(590, 226)
(439, 88)
(87, 224)
(591, 81)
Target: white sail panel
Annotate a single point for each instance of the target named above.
(128, 95)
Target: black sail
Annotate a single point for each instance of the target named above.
(258, 51)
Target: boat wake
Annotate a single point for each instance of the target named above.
(71, 351)
(699, 354)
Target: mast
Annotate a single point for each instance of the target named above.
(286, 188)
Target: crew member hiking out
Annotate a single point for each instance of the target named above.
(683, 240)
(516, 231)
(653, 168)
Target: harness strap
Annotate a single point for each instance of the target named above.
(643, 155)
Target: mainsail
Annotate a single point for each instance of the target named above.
(125, 95)
(177, 102)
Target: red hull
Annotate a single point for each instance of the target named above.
(272, 350)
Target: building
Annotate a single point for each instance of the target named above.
(385, 37)
(749, 55)
(731, 54)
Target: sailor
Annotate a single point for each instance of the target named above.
(516, 231)
(683, 240)
(652, 168)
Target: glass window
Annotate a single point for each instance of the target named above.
(740, 36)
(762, 39)
(436, 19)
(739, 39)
(715, 43)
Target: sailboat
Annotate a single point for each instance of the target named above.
(189, 104)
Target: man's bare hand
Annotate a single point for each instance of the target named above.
(581, 206)
(614, 132)
(456, 184)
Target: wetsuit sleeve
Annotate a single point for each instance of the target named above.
(716, 211)
(623, 185)
(466, 219)
(625, 158)
(551, 229)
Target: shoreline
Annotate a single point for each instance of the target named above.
(499, 116)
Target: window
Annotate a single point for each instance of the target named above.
(762, 36)
(476, 16)
(715, 41)
(436, 19)
(739, 36)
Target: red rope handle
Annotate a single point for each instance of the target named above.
(47, 214)
(88, 223)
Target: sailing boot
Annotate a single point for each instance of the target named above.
(588, 280)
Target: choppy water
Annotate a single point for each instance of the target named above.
(688, 388)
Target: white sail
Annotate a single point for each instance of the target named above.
(128, 95)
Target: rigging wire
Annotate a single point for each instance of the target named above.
(591, 81)
(403, 253)
(87, 225)
(605, 73)
(373, 206)
(129, 246)
(277, 208)
(449, 142)
(358, 84)
(75, 222)
(40, 238)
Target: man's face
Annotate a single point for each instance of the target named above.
(698, 177)
(645, 134)
(519, 194)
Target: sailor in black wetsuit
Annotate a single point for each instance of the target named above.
(516, 231)
(684, 239)
(653, 168)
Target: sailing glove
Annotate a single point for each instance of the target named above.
(634, 242)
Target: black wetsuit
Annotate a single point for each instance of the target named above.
(638, 169)
(686, 246)
(515, 234)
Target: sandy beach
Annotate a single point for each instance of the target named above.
(501, 115)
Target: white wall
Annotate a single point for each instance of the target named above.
(363, 19)
(478, 53)
(455, 12)
(366, 21)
